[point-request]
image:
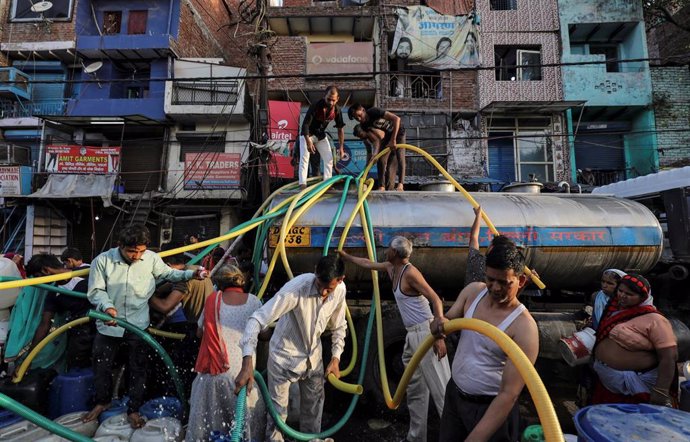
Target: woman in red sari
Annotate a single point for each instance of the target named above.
(636, 350)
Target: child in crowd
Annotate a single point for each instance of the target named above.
(609, 282)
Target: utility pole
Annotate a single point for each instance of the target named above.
(264, 65)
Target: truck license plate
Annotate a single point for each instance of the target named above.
(298, 236)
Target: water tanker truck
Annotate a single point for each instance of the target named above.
(568, 238)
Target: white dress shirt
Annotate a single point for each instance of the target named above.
(296, 341)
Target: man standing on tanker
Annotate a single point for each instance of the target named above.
(481, 397)
(314, 129)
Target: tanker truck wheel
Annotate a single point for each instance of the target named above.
(393, 344)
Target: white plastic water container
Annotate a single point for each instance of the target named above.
(74, 423)
(8, 296)
(22, 431)
(117, 426)
(163, 429)
(111, 438)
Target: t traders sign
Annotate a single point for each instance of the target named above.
(338, 58)
(211, 171)
(82, 159)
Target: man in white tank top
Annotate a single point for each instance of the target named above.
(413, 295)
(481, 398)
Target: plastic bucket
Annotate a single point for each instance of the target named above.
(165, 406)
(164, 429)
(577, 349)
(117, 406)
(117, 426)
(22, 431)
(74, 423)
(632, 422)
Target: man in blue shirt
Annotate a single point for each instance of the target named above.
(121, 282)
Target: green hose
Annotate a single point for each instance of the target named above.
(150, 341)
(43, 422)
(294, 434)
(240, 408)
(52, 288)
(262, 218)
(290, 432)
(336, 217)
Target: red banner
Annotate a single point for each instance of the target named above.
(82, 159)
(283, 126)
(211, 171)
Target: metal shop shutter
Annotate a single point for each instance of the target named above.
(48, 92)
(501, 157)
(599, 151)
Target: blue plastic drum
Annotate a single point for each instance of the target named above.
(70, 392)
(162, 407)
(629, 422)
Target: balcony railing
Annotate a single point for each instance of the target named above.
(13, 80)
(419, 86)
(209, 93)
(11, 109)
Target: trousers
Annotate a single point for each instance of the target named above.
(105, 350)
(463, 412)
(311, 398)
(323, 147)
(430, 379)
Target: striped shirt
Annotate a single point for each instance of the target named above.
(296, 341)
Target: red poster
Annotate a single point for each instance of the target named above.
(211, 171)
(82, 159)
(283, 126)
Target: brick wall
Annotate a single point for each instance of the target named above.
(669, 42)
(206, 31)
(288, 56)
(19, 32)
(671, 95)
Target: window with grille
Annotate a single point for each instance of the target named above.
(517, 63)
(503, 5)
(112, 22)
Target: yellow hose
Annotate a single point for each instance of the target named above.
(289, 221)
(276, 253)
(458, 186)
(165, 334)
(362, 195)
(26, 363)
(21, 371)
(545, 410)
(355, 348)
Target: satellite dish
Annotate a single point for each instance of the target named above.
(41, 6)
(93, 67)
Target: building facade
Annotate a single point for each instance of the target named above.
(104, 74)
(613, 133)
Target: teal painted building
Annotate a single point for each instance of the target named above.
(612, 135)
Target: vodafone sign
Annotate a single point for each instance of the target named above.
(338, 58)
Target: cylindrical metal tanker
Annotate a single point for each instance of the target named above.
(569, 238)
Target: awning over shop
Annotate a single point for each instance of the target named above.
(77, 186)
